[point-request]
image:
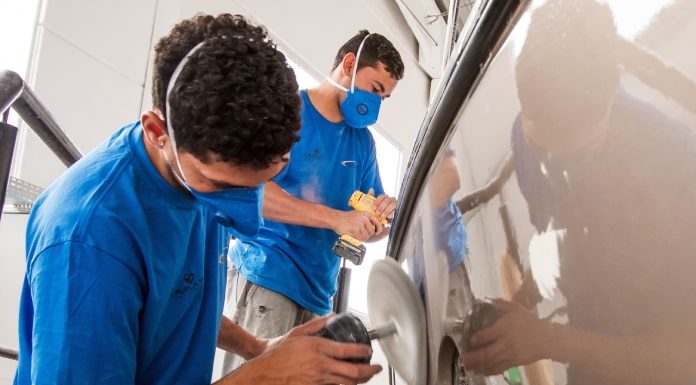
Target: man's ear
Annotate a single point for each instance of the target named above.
(347, 64)
(154, 129)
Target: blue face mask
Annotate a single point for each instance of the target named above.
(237, 208)
(360, 108)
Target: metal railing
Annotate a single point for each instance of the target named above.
(9, 353)
(8, 137)
(15, 94)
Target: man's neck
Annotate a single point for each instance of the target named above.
(325, 99)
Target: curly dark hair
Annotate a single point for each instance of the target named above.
(235, 100)
(376, 49)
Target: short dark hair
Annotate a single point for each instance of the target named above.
(567, 71)
(376, 49)
(235, 100)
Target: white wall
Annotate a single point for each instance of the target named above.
(311, 31)
(89, 65)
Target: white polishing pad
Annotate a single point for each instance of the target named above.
(392, 297)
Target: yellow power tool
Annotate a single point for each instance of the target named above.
(347, 247)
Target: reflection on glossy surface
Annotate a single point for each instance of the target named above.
(566, 195)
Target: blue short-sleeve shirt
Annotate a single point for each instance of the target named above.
(328, 163)
(124, 279)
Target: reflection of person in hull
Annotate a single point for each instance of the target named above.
(616, 176)
(450, 242)
(451, 236)
(450, 239)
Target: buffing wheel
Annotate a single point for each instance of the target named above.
(393, 298)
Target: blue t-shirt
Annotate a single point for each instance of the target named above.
(125, 276)
(451, 233)
(330, 162)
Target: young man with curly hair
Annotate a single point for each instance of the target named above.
(126, 251)
(287, 275)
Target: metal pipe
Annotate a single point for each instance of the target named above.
(450, 31)
(11, 86)
(14, 93)
(392, 375)
(340, 304)
(9, 353)
(8, 137)
(45, 126)
(381, 331)
(491, 189)
(654, 72)
(510, 237)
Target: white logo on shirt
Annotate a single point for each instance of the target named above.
(348, 163)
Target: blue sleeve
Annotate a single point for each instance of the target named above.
(85, 327)
(451, 233)
(371, 178)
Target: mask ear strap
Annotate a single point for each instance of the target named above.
(170, 87)
(355, 65)
(333, 82)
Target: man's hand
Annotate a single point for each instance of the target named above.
(301, 358)
(302, 330)
(364, 226)
(384, 206)
(519, 337)
(357, 224)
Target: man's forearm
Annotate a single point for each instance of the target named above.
(280, 206)
(244, 375)
(235, 339)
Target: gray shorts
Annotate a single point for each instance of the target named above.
(262, 312)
